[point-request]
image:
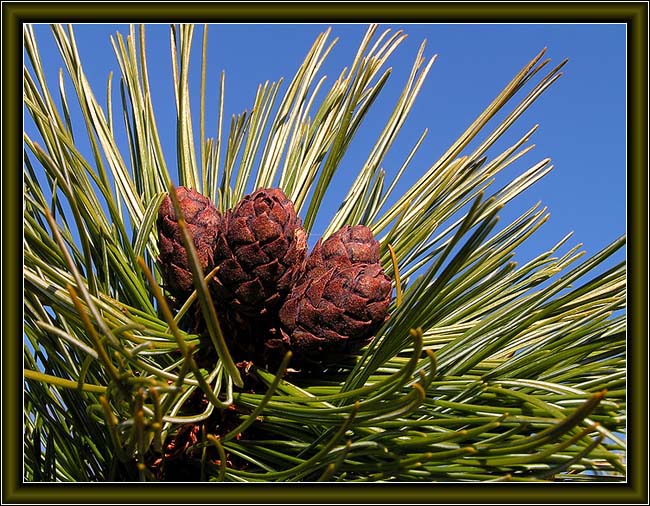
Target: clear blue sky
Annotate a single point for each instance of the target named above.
(581, 118)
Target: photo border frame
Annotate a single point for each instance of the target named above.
(633, 14)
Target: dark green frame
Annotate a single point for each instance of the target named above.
(633, 14)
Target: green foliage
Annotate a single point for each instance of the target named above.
(486, 370)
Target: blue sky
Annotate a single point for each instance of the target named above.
(581, 117)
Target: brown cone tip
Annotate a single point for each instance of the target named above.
(261, 252)
(347, 246)
(203, 221)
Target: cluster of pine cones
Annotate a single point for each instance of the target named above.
(270, 295)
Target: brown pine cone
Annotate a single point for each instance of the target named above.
(261, 253)
(333, 313)
(203, 222)
(344, 248)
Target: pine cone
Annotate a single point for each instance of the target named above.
(203, 222)
(333, 313)
(261, 253)
(344, 248)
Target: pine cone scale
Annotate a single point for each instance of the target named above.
(266, 230)
(250, 292)
(239, 232)
(250, 256)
